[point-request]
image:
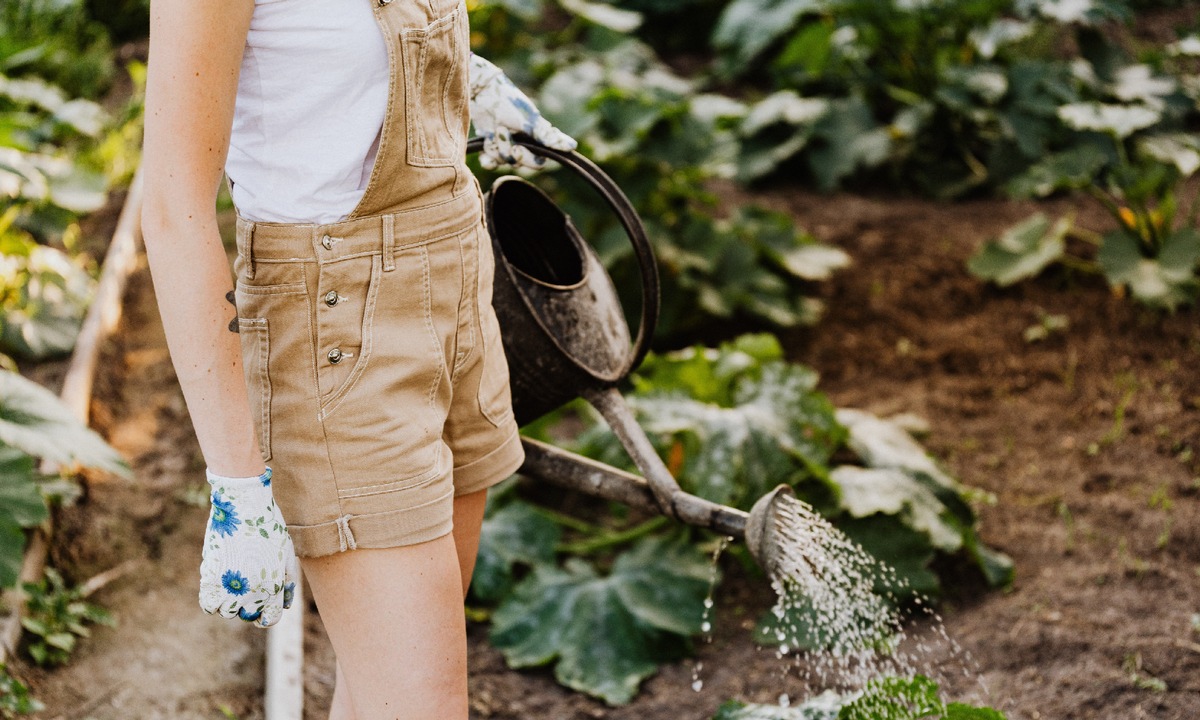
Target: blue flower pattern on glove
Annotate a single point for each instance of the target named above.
(234, 583)
(224, 519)
(249, 569)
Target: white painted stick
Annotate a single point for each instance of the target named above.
(285, 663)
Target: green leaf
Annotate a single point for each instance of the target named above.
(613, 18)
(894, 698)
(1066, 170)
(1167, 281)
(48, 298)
(959, 711)
(514, 534)
(770, 426)
(1022, 252)
(904, 550)
(822, 707)
(748, 27)
(20, 499)
(605, 634)
(889, 491)
(34, 420)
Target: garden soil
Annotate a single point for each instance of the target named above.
(1088, 441)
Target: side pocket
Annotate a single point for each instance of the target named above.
(495, 400)
(256, 350)
(435, 91)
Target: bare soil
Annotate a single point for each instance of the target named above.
(1089, 441)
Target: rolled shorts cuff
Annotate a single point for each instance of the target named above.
(389, 528)
(490, 469)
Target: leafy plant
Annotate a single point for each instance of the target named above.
(606, 633)
(56, 618)
(735, 421)
(15, 699)
(35, 424)
(887, 698)
(1154, 252)
(57, 41)
(44, 296)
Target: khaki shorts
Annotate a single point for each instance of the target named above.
(375, 371)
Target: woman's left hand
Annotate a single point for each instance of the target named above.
(499, 109)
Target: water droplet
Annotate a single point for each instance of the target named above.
(697, 685)
(708, 603)
(705, 627)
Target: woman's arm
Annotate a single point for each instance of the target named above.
(195, 53)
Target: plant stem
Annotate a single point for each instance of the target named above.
(1087, 236)
(602, 542)
(567, 521)
(1074, 263)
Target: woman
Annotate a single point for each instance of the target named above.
(365, 390)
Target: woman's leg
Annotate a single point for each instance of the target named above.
(395, 619)
(468, 517)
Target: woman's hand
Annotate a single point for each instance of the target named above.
(249, 570)
(498, 109)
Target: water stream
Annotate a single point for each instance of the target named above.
(831, 624)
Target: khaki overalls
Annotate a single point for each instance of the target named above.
(371, 351)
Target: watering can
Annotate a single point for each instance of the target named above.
(565, 336)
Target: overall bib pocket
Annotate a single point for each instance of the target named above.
(435, 90)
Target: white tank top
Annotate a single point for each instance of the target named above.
(311, 100)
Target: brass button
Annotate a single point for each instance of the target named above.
(327, 242)
(331, 298)
(335, 356)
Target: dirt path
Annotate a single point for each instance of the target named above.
(165, 658)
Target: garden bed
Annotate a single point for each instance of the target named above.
(1105, 540)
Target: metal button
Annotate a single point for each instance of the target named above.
(331, 298)
(335, 356)
(327, 242)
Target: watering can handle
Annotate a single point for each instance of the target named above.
(631, 223)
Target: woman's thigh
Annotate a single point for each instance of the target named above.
(395, 619)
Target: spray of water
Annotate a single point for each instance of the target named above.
(829, 615)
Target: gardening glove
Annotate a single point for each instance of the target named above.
(249, 569)
(498, 109)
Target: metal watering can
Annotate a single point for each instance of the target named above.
(565, 336)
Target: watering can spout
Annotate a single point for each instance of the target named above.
(762, 529)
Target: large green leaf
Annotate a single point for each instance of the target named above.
(1022, 251)
(605, 634)
(35, 421)
(747, 27)
(21, 506)
(1166, 281)
(48, 296)
(516, 534)
(731, 426)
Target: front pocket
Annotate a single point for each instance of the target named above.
(435, 91)
(256, 351)
(346, 295)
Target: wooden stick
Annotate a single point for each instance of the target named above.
(102, 318)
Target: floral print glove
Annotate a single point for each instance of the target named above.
(249, 569)
(498, 109)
